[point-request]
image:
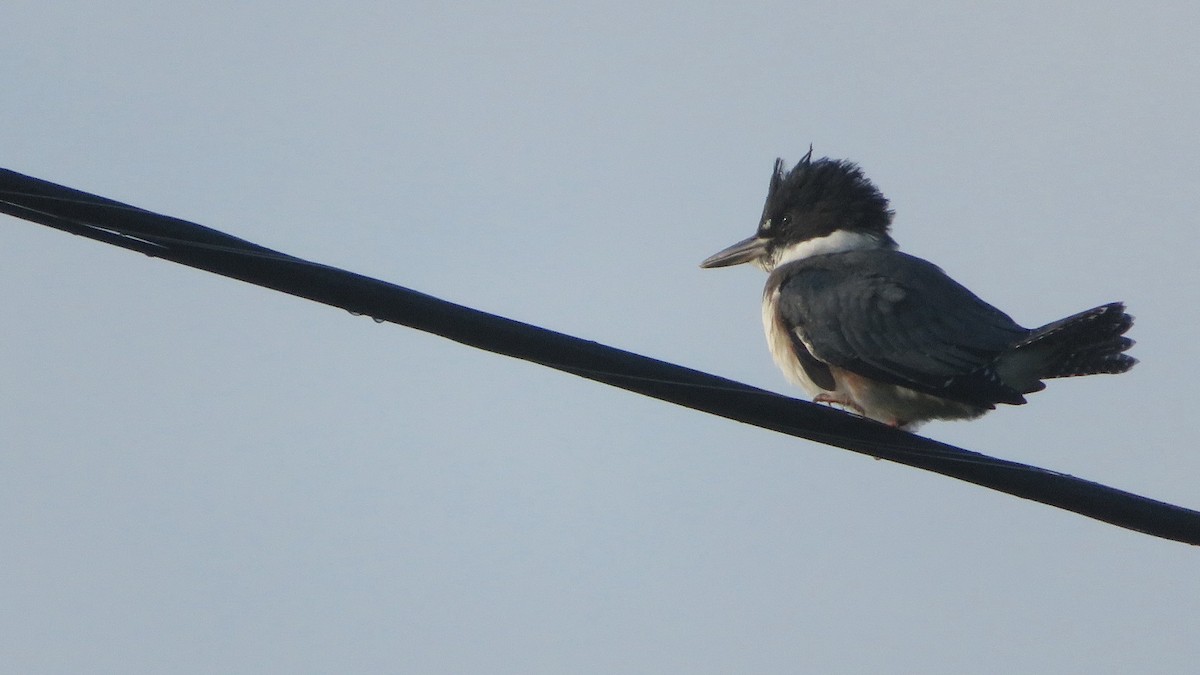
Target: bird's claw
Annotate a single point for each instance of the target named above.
(836, 401)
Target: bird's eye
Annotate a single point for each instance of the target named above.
(785, 220)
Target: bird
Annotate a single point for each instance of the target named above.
(860, 325)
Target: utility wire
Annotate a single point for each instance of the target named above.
(203, 248)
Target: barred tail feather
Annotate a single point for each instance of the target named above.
(1086, 343)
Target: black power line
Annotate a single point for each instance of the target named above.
(197, 246)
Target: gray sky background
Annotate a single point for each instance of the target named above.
(202, 476)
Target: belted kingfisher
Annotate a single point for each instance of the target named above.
(859, 324)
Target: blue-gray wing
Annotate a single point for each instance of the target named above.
(898, 319)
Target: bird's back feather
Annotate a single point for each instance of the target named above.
(897, 319)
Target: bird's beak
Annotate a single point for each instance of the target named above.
(746, 250)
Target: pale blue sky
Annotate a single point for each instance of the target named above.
(202, 476)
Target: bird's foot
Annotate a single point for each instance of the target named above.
(838, 401)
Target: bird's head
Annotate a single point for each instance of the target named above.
(820, 206)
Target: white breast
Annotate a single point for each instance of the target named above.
(779, 335)
(779, 341)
